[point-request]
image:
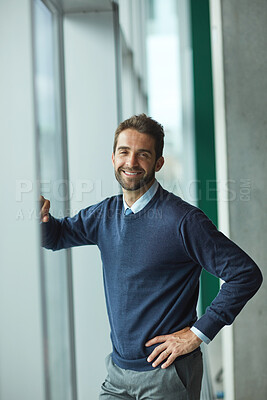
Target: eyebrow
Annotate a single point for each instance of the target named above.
(139, 150)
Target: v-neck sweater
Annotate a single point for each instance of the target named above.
(152, 262)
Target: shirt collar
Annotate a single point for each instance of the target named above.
(143, 200)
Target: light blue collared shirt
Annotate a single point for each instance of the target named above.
(138, 206)
(201, 335)
(143, 200)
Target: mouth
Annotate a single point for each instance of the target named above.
(132, 174)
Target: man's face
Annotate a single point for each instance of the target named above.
(134, 160)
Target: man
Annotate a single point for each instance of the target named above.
(153, 247)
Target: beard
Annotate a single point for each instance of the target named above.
(145, 180)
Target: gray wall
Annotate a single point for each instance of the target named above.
(245, 58)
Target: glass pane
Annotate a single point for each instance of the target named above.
(52, 186)
(164, 86)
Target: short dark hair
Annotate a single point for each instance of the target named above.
(143, 124)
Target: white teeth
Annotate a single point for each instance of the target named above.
(130, 173)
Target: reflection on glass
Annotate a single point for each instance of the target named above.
(55, 275)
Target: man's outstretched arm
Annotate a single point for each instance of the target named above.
(69, 231)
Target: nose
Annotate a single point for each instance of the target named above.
(132, 160)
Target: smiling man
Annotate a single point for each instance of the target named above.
(153, 247)
(135, 162)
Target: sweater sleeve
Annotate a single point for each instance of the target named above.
(221, 257)
(82, 229)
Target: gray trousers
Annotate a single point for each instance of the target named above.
(180, 381)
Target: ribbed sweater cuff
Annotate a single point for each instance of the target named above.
(208, 326)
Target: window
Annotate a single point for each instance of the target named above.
(56, 267)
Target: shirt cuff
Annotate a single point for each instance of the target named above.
(201, 335)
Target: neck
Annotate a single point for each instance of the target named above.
(131, 196)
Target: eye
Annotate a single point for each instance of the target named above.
(143, 155)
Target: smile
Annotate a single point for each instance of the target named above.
(131, 173)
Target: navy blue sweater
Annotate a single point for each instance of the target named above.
(152, 261)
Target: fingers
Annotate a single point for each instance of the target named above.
(45, 218)
(157, 339)
(174, 345)
(163, 354)
(162, 351)
(45, 207)
(169, 361)
(166, 354)
(159, 349)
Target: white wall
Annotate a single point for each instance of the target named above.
(21, 349)
(92, 120)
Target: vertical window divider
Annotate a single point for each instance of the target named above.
(67, 202)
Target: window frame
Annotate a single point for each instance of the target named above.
(57, 16)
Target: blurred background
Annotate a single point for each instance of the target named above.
(70, 71)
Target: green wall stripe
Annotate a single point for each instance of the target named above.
(204, 129)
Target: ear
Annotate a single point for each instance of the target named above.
(159, 164)
(113, 159)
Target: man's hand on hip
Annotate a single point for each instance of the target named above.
(173, 345)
